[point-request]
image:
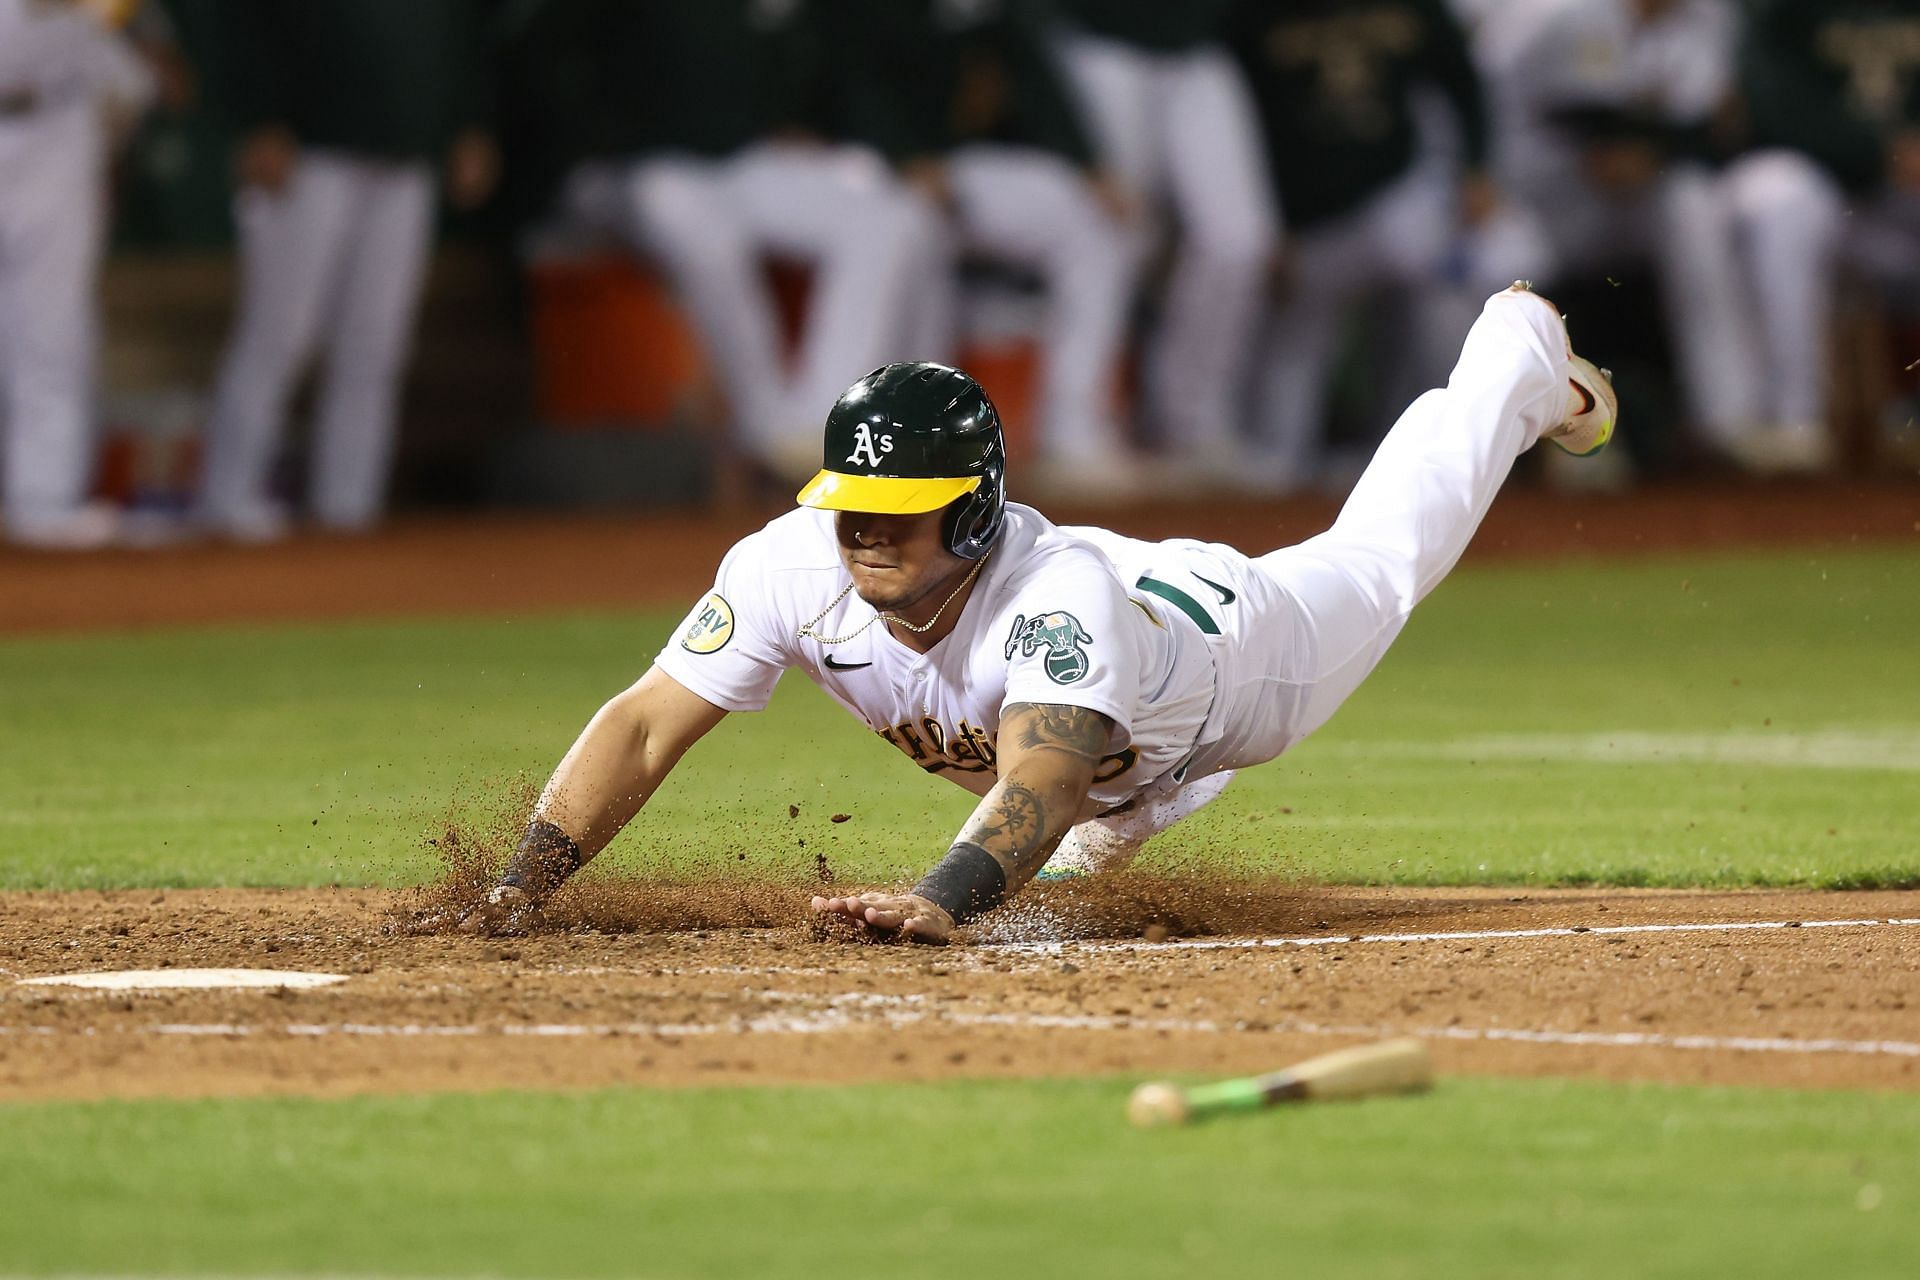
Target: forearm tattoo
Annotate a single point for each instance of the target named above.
(1014, 822)
(1023, 819)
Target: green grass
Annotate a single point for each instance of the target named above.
(310, 755)
(1482, 1178)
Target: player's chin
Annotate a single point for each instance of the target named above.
(883, 588)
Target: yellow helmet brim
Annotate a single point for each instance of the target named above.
(885, 495)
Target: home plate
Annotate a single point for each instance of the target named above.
(161, 979)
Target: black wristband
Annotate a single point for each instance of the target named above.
(544, 859)
(969, 882)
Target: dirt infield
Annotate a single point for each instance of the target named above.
(740, 991)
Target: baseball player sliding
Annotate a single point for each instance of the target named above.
(1090, 688)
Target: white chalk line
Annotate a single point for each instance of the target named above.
(1054, 948)
(1475, 935)
(840, 1019)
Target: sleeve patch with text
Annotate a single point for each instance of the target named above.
(711, 627)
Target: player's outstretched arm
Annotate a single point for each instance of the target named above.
(1047, 756)
(618, 762)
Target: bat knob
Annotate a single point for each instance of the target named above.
(1157, 1104)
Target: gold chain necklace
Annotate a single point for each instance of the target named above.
(807, 629)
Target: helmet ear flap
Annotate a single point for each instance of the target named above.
(973, 521)
(957, 525)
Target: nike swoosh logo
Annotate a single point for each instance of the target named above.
(1226, 596)
(1585, 395)
(845, 666)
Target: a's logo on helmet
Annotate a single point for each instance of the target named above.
(868, 447)
(710, 626)
(1061, 635)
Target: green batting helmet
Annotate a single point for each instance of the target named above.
(917, 437)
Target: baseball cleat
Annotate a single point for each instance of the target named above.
(91, 526)
(1592, 406)
(1788, 449)
(1591, 409)
(250, 524)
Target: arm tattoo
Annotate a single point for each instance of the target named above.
(1017, 819)
(1046, 725)
(1024, 818)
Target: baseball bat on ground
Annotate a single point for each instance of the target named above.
(1391, 1066)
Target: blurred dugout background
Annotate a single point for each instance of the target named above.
(480, 253)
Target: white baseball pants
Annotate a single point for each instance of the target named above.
(1183, 127)
(1032, 208)
(1310, 622)
(1319, 616)
(1797, 229)
(710, 221)
(336, 260)
(51, 227)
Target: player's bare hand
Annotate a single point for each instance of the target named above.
(266, 159)
(1621, 166)
(473, 170)
(898, 915)
(1117, 197)
(177, 84)
(1903, 160)
(505, 911)
(930, 179)
(1479, 199)
(1283, 271)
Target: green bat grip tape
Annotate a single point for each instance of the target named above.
(1249, 1093)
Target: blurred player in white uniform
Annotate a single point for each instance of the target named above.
(1834, 94)
(1610, 108)
(1338, 86)
(67, 79)
(347, 112)
(1171, 117)
(716, 149)
(1090, 688)
(965, 98)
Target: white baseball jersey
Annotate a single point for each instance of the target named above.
(1052, 619)
(63, 56)
(1678, 66)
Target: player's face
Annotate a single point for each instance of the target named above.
(897, 562)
